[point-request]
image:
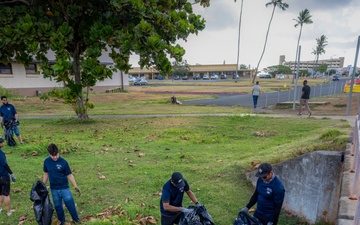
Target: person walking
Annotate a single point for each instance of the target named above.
(304, 99)
(58, 171)
(269, 195)
(256, 93)
(7, 112)
(5, 180)
(171, 199)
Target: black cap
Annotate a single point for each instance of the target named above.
(263, 170)
(1, 140)
(178, 179)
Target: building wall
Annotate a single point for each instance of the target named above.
(228, 69)
(30, 84)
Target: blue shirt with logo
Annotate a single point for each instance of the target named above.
(3, 171)
(58, 173)
(7, 111)
(173, 195)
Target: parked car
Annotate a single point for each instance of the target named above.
(223, 76)
(280, 77)
(160, 77)
(176, 77)
(266, 76)
(235, 76)
(131, 79)
(140, 81)
(196, 77)
(335, 78)
(184, 77)
(205, 77)
(214, 77)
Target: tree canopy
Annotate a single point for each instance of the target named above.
(278, 69)
(79, 32)
(181, 68)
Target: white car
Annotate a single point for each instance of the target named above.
(280, 77)
(214, 77)
(140, 81)
(131, 79)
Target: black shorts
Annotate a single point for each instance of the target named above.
(170, 220)
(4, 186)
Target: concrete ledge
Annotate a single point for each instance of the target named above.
(345, 222)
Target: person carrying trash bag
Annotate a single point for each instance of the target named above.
(269, 195)
(43, 208)
(171, 199)
(198, 216)
(245, 218)
(10, 124)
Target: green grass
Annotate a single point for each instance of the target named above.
(213, 153)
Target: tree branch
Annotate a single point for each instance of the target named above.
(27, 2)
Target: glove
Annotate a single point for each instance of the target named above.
(78, 190)
(185, 210)
(13, 178)
(269, 223)
(245, 209)
(198, 204)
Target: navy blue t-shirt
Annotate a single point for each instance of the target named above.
(58, 172)
(306, 90)
(7, 111)
(268, 195)
(3, 172)
(173, 195)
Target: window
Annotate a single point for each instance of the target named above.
(31, 69)
(5, 68)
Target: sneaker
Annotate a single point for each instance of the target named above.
(11, 211)
(309, 114)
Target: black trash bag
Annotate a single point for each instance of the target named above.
(173, 100)
(43, 208)
(199, 216)
(245, 218)
(9, 133)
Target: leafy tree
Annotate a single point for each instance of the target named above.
(319, 50)
(181, 68)
(303, 18)
(332, 71)
(322, 68)
(278, 69)
(243, 67)
(304, 73)
(79, 32)
(275, 3)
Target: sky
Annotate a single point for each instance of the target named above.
(338, 20)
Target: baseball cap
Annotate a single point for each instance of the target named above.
(178, 179)
(263, 170)
(1, 139)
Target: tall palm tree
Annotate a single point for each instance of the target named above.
(238, 52)
(303, 18)
(319, 50)
(275, 3)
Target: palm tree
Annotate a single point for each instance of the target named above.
(303, 18)
(238, 52)
(319, 50)
(275, 3)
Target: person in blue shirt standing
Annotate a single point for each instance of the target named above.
(5, 180)
(58, 171)
(269, 196)
(8, 111)
(171, 199)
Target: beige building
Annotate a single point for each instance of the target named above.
(218, 69)
(333, 63)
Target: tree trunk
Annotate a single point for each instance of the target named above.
(297, 52)
(81, 111)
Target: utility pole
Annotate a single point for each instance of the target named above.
(353, 77)
(297, 77)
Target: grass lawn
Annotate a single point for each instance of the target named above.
(120, 165)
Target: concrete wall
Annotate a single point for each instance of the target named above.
(29, 84)
(312, 183)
